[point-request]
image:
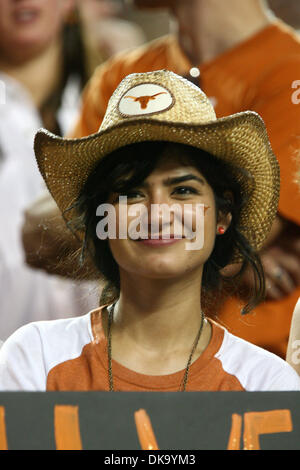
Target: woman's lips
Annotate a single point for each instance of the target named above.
(159, 241)
(25, 15)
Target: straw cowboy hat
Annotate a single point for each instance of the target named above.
(161, 105)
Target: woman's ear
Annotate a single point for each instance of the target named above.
(224, 216)
(223, 222)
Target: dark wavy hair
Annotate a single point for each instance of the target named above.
(128, 167)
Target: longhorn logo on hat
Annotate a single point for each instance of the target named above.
(144, 100)
(147, 98)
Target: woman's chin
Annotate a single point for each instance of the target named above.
(163, 269)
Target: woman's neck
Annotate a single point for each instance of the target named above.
(158, 313)
(155, 325)
(40, 75)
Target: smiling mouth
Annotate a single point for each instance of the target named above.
(24, 15)
(160, 237)
(160, 241)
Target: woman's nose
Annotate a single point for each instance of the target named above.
(160, 214)
(158, 196)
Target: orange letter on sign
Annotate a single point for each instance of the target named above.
(3, 439)
(264, 422)
(145, 431)
(66, 428)
(235, 433)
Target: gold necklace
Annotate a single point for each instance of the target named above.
(183, 383)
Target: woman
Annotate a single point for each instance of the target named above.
(160, 145)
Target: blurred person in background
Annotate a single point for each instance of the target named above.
(293, 348)
(243, 57)
(41, 75)
(105, 31)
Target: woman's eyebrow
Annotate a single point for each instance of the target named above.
(176, 180)
(182, 179)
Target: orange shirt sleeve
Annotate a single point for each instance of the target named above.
(275, 101)
(95, 98)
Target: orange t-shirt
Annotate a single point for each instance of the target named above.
(256, 75)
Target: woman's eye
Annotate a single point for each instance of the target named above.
(185, 190)
(132, 194)
(129, 195)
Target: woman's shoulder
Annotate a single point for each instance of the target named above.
(31, 351)
(256, 368)
(45, 329)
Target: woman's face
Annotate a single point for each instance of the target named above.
(150, 248)
(30, 25)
